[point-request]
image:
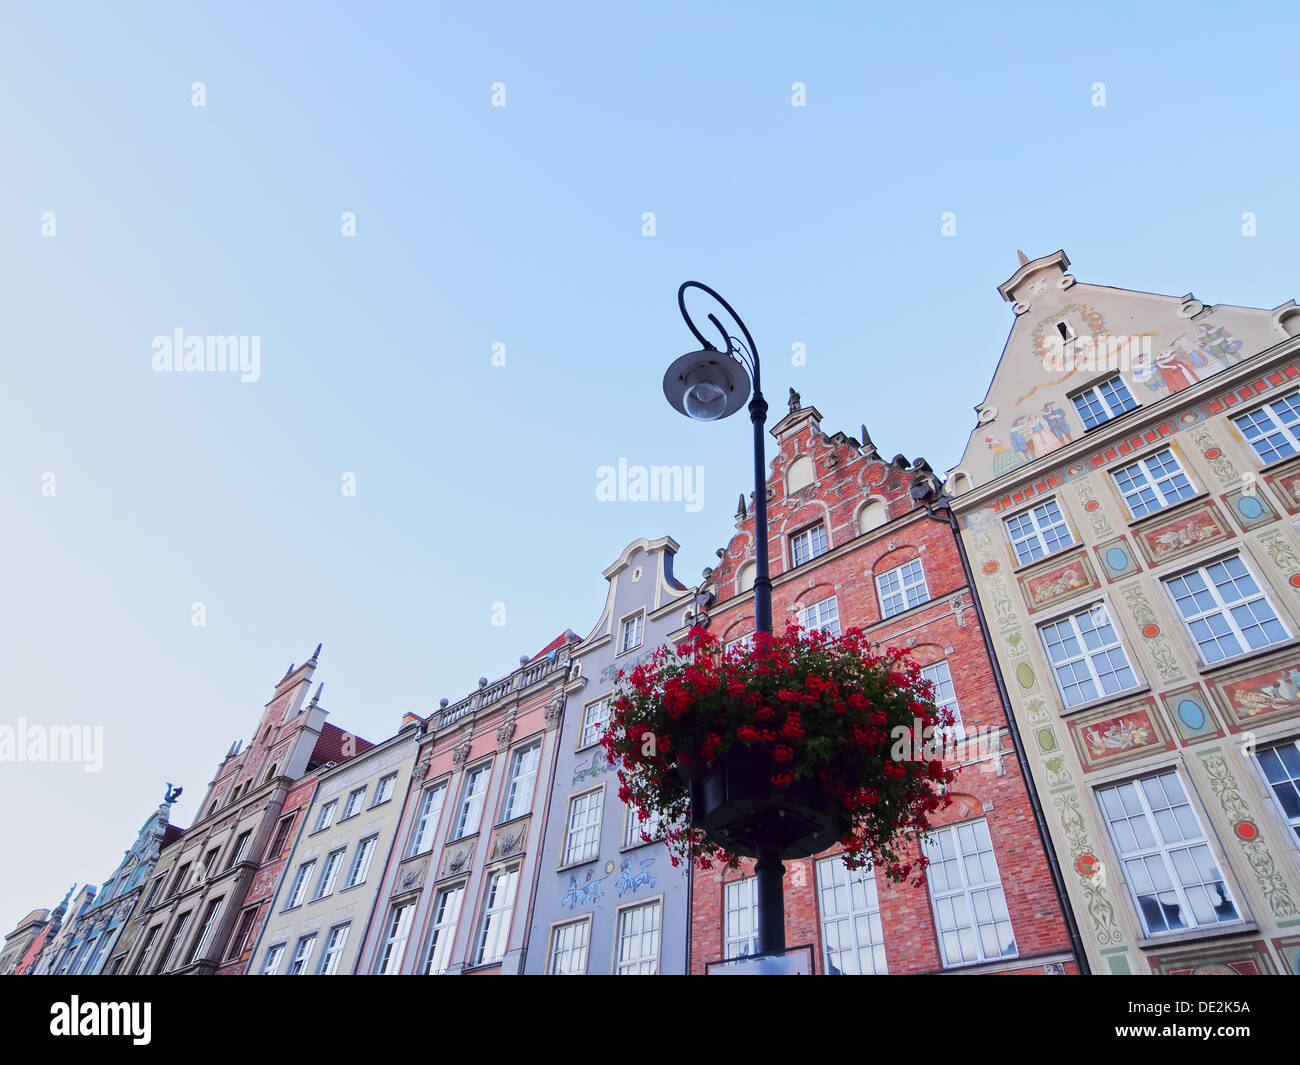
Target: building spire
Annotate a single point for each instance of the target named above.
(316, 698)
(1023, 257)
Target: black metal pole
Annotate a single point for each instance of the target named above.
(768, 868)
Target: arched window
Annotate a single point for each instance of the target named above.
(800, 475)
(872, 515)
(745, 578)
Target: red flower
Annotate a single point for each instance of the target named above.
(781, 753)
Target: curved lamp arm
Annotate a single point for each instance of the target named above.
(732, 345)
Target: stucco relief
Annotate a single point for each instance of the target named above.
(1272, 884)
(1159, 649)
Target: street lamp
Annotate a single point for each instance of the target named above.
(707, 385)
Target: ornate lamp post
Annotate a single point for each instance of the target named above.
(707, 385)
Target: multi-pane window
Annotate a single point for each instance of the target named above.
(384, 789)
(205, 933)
(446, 914)
(1104, 401)
(652, 827)
(902, 588)
(632, 633)
(1170, 869)
(302, 955)
(330, 874)
(1037, 532)
(146, 955)
(945, 695)
(822, 616)
(1152, 483)
(743, 643)
(240, 939)
(595, 718)
(970, 910)
(582, 836)
(808, 544)
(494, 930)
(241, 846)
(1225, 610)
(153, 892)
(174, 942)
(850, 912)
(182, 880)
(361, 863)
(353, 805)
(472, 794)
(209, 860)
(1273, 430)
(740, 918)
(519, 784)
(1281, 768)
(333, 956)
(326, 816)
(426, 821)
(569, 948)
(396, 934)
(638, 940)
(280, 838)
(273, 956)
(1087, 656)
(298, 891)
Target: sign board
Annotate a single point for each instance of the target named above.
(797, 961)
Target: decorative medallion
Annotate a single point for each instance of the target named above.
(1087, 865)
(1246, 830)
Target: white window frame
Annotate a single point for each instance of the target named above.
(945, 695)
(633, 625)
(740, 918)
(329, 874)
(361, 861)
(521, 783)
(746, 642)
(1034, 543)
(961, 904)
(1288, 777)
(298, 890)
(650, 916)
(447, 905)
(205, 933)
(176, 942)
(1288, 433)
(1100, 399)
(1152, 480)
(1223, 609)
(568, 957)
(1099, 620)
(593, 727)
(336, 941)
(326, 816)
(429, 814)
(392, 950)
(821, 616)
(351, 808)
(241, 848)
(910, 577)
(382, 796)
(274, 955)
(1139, 860)
(807, 541)
(302, 955)
(493, 939)
(472, 801)
(845, 899)
(632, 830)
(150, 942)
(582, 839)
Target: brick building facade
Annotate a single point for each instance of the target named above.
(850, 547)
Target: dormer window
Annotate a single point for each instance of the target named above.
(1066, 330)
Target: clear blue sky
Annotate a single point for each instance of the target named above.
(520, 225)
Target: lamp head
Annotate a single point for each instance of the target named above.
(706, 385)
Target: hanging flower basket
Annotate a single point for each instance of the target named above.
(800, 742)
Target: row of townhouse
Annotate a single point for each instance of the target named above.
(1105, 592)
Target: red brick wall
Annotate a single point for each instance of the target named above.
(946, 626)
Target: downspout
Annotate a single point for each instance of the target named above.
(1040, 821)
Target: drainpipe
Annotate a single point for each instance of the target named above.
(1040, 821)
